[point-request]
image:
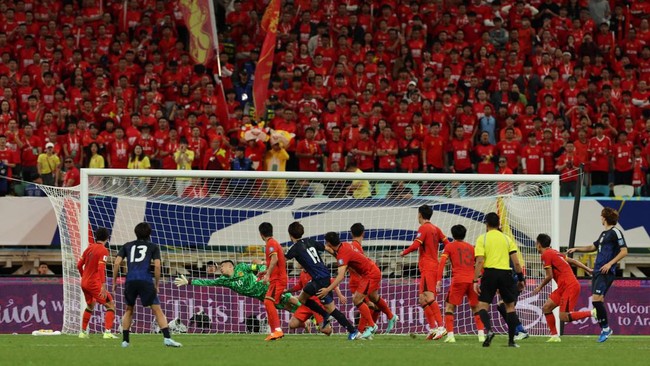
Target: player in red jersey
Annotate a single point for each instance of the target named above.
(426, 242)
(558, 268)
(370, 280)
(275, 276)
(92, 268)
(461, 256)
(358, 230)
(301, 316)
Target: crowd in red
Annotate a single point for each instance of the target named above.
(395, 85)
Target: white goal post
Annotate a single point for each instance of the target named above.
(222, 224)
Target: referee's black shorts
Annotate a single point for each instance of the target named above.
(498, 280)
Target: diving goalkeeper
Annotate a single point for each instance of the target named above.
(241, 278)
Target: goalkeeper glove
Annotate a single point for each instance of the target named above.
(181, 281)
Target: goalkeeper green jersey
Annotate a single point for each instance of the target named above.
(243, 281)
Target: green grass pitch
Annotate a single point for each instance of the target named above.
(240, 350)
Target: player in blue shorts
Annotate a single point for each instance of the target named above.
(138, 255)
(611, 249)
(307, 253)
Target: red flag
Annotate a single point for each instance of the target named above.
(201, 24)
(222, 105)
(265, 63)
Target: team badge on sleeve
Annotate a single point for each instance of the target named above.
(341, 261)
(419, 234)
(271, 249)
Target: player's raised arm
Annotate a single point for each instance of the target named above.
(583, 249)
(414, 246)
(578, 264)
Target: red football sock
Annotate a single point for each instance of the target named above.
(365, 313)
(383, 307)
(577, 315)
(375, 315)
(109, 319)
(449, 322)
(431, 319)
(362, 324)
(436, 311)
(479, 323)
(272, 314)
(550, 320)
(86, 319)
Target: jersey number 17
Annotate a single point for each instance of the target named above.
(313, 254)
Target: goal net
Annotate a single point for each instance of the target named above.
(200, 217)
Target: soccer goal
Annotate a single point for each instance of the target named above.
(203, 216)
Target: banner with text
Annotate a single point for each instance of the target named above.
(29, 304)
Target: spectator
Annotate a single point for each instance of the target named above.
(184, 159)
(216, 157)
(460, 153)
(532, 161)
(118, 151)
(276, 160)
(96, 160)
(387, 150)
(363, 151)
(308, 152)
(484, 155)
(433, 152)
(358, 188)
(195, 189)
(240, 187)
(599, 150)
(7, 163)
(49, 165)
(410, 150)
(44, 270)
(567, 166)
(623, 153)
(30, 147)
(640, 172)
(71, 178)
(531, 66)
(138, 160)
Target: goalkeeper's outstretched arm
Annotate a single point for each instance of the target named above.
(184, 281)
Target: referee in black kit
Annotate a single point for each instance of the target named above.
(494, 251)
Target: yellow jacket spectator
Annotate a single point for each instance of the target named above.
(276, 161)
(359, 188)
(96, 160)
(49, 165)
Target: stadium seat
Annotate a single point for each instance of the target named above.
(414, 187)
(381, 190)
(318, 189)
(623, 190)
(599, 190)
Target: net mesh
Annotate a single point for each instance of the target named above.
(199, 220)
